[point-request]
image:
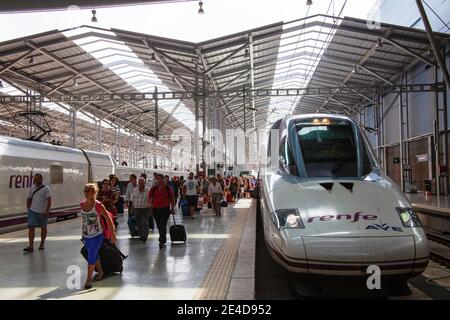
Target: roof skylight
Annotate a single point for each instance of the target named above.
(120, 59)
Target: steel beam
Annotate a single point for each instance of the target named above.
(228, 57)
(261, 92)
(158, 57)
(409, 51)
(11, 64)
(433, 43)
(373, 73)
(69, 67)
(59, 86)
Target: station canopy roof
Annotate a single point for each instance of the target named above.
(315, 52)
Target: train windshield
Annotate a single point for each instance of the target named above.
(329, 149)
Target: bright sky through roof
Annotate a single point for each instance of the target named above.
(181, 21)
(178, 20)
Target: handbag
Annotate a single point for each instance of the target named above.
(223, 204)
(200, 203)
(209, 205)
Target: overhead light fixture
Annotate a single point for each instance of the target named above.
(1, 84)
(200, 10)
(173, 79)
(355, 69)
(309, 2)
(379, 43)
(31, 61)
(76, 83)
(153, 57)
(94, 18)
(246, 54)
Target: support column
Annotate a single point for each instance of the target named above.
(437, 54)
(245, 130)
(73, 127)
(98, 137)
(196, 129)
(445, 121)
(437, 144)
(155, 96)
(205, 169)
(119, 146)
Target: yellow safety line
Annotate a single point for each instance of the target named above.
(217, 279)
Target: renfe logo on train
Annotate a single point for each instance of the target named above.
(21, 181)
(348, 217)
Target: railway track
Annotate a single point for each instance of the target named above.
(439, 245)
(441, 256)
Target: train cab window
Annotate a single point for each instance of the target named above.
(56, 173)
(287, 163)
(329, 150)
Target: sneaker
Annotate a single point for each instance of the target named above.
(28, 249)
(161, 245)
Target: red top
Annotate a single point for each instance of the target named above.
(161, 196)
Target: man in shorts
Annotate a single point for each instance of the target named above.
(39, 203)
(191, 190)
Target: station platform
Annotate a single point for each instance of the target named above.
(433, 211)
(437, 202)
(217, 261)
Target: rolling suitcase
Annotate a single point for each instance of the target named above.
(177, 232)
(134, 232)
(184, 208)
(110, 257)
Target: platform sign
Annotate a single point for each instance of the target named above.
(211, 172)
(422, 157)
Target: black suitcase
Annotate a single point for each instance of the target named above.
(110, 257)
(177, 232)
(134, 232)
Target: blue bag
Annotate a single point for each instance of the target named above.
(184, 205)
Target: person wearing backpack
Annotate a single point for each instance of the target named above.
(97, 225)
(162, 201)
(39, 203)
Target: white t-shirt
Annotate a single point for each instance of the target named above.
(191, 187)
(39, 202)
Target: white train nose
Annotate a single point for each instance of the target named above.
(352, 256)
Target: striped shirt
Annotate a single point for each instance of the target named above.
(140, 199)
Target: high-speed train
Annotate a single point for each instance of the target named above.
(328, 209)
(65, 170)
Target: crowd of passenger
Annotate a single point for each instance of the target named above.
(149, 202)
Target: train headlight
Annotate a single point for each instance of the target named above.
(287, 219)
(408, 218)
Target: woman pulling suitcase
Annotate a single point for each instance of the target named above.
(97, 225)
(162, 201)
